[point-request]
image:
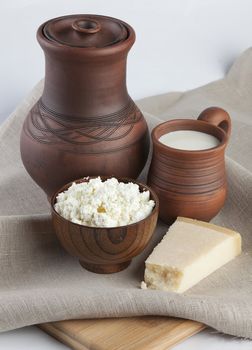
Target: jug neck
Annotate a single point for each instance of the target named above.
(85, 88)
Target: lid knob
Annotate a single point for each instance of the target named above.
(86, 25)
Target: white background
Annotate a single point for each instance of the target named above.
(181, 44)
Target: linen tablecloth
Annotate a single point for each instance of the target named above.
(39, 282)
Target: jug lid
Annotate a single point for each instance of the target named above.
(86, 31)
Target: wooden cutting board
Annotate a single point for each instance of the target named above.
(135, 333)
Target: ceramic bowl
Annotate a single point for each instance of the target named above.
(105, 250)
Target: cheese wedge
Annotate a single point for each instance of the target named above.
(189, 252)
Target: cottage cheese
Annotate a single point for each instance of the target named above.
(107, 203)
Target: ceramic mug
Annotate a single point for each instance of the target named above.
(191, 183)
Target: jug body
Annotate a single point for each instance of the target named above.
(85, 123)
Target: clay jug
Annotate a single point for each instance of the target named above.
(85, 123)
(191, 183)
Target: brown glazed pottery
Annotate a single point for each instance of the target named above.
(190, 183)
(85, 123)
(105, 250)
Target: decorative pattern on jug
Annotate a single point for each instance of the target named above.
(49, 127)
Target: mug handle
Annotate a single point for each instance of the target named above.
(218, 117)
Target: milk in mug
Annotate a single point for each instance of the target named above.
(189, 140)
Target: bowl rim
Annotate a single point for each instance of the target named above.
(153, 195)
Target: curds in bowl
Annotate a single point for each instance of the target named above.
(104, 221)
